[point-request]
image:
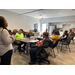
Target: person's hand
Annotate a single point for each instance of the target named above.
(18, 41)
(38, 45)
(41, 35)
(35, 38)
(29, 38)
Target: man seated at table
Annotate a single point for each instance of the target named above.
(35, 32)
(55, 37)
(54, 30)
(19, 36)
(30, 33)
(45, 32)
(44, 44)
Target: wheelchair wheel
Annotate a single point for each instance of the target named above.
(48, 62)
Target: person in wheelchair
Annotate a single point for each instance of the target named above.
(19, 36)
(39, 45)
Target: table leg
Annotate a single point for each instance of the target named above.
(26, 48)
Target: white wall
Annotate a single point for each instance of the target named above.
(59, 21)
(17, 21)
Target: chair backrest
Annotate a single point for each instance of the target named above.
(54, 45)
(68, 40)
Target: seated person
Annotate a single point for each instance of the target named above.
(15, 31)
(30, 33)
(55, 37)
(65, 35)
(45, 32)
(71, 34)
(33, 50)
(19, 36)
(58, 32)
(35, 32)
(23, 32)
(53, 31)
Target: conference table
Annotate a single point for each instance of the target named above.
(29, 41)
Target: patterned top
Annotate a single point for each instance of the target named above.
(40, 42)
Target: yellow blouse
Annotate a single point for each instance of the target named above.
(55, 38)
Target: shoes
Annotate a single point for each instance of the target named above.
(31, 63)
(20, 52)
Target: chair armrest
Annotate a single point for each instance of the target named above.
(37, 53)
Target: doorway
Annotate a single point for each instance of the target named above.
(51, 28)
(44, 26)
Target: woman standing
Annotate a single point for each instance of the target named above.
(5, 42)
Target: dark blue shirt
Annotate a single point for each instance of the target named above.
(28, 35)
(66, 36)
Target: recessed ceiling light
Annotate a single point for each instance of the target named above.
(59, 13)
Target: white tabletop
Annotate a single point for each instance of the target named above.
(33, 37)
(27, 40)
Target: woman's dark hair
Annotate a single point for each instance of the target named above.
(9, 31)
(21, 30)
(46, 29)
(45, 34)
(2, 24)
(35, 29)
(56, 32)
(66, 31)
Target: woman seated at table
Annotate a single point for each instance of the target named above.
(30, 33)
(19, 36)
(65, 35)
(35, 32)
(44, 44)
(55, 37)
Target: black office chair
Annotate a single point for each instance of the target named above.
(53, 46)
(72, 39)
(66, 43)
(16, 48)
(43, 55)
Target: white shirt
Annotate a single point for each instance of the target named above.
(5, 41)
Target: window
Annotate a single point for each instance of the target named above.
(36, 26)
(43, 27)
